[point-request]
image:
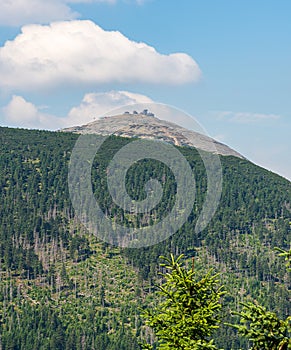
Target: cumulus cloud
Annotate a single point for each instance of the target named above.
(246, 117)
(22, 113)
(81, 52)
(20, 12)
(95, 105)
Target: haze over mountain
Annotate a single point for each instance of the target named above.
(146, 125)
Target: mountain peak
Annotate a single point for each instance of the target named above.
(147, 126)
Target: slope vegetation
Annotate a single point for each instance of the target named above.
(61, 288)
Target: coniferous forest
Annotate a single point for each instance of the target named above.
(61, 288)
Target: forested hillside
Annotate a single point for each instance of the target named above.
(61, 288)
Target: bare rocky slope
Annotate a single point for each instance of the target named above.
(146, 125)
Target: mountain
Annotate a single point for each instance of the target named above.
(62, 288)
(146, 125)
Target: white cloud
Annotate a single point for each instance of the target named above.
(20, 12)
(245, 117)
(95, 105)
(80, 52)
(253, 117)
(22, 113)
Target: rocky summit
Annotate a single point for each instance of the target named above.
(146, 125)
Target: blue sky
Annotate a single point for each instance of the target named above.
(64, 60)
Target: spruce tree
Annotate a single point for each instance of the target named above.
(189, 311)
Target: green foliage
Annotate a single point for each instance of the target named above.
(287, 255)
(78, 311)
(263, 328)
(189, 313)
(51, 269)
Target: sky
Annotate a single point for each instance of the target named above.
(226, 63)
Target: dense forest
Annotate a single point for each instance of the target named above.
(61, 288)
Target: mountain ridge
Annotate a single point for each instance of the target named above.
(146, 125)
